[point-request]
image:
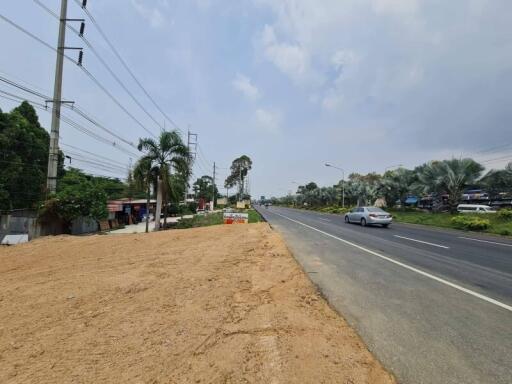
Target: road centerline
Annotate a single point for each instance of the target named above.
(485, 241)
(423, 242)
(403, 265)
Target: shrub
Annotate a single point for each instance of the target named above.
(505, 232)
(192, 207)
(470, 223)
(504, 214)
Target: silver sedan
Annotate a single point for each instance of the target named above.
(368, 215)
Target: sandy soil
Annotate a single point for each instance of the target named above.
(224, 304)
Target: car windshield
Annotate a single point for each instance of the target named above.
(375, 209)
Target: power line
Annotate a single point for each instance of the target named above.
(75, 109)
(93, 154)
(73, 124)
(103, 62)
(23, 88)
(121, 60)
(89, 74)
(101, 162)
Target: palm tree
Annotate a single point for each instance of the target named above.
(449, 176)
(165, 155)
(145, 175)
(395, 185)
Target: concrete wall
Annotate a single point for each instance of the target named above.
(84, 225)
(15, 224)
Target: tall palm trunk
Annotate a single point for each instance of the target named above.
(165, 213)
(148, 199)
(158, 203)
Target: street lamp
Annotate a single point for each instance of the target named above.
(342, 181)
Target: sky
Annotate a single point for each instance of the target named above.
(366, 85)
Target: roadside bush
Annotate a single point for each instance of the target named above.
(470, 223)
(505, 232)
(334, 209)
(504, 214)
(192, 207)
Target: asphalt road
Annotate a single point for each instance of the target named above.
(435, 306)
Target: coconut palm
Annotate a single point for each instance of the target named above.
(449, 176)
(145, 175)
(166, 154)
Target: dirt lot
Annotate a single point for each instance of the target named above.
(224, 304)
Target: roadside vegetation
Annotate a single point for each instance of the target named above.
(200, 221)
(437, 187)
(499, 223)
(215, 218)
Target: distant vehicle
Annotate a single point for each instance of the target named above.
(474, 208)
(475, 194)
(368, 216)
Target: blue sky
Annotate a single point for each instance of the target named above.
(364, 84)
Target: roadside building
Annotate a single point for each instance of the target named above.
(129, 211)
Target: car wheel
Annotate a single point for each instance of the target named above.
(385, 225)
(363, 222)
(347, 220)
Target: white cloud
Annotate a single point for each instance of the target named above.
(332, 101)
(152, 14)
(291, 59)
(399, 7)
(269, 121)
(243, 84)
(343, 58)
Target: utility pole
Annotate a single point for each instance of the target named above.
(53, 155)
(192, 150)
(214, 186)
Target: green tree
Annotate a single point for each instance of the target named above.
(496, 181)
(23, 158)
(240, 168)
(449, 176)
(396, 184)
(204, 188)
(166, 153)
(78, 195)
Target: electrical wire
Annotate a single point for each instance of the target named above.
(126, 67)
(79, 156)
(74, 108)
(89, 74)
(103, 62)
(93, 154)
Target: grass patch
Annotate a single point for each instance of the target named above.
(496, 224)
(201, 221)
(254, 216)
(213, 219)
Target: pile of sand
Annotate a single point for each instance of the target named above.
(223, 304)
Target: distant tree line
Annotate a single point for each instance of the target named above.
(435, 178)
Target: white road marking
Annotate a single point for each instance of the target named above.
(403, 265)
(485, 241)
(423, 242)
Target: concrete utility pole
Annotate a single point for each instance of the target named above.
(192, 149)
(53, 156)
(213, 191)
